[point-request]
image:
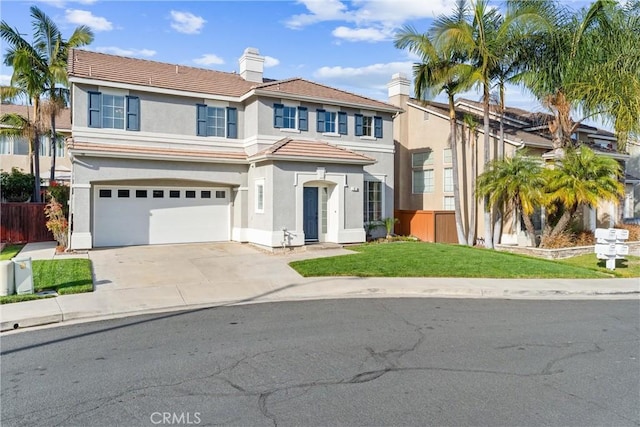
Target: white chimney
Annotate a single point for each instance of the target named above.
(399, 85)
(251, 65)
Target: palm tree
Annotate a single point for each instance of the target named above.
(440, 70)
(586, 61)
(472, 125)
(517, 182)
(581, 178)
(611, 85)
(39, 69)
(485, 36)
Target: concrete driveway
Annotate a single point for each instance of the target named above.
(233, 268)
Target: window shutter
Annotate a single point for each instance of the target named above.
(93, 114)
(133, 113)
(278, 115)
(303, 122)
(342, 123)
(232, 122)
(320, 120)
(359, 125)
(377, 124)
(201, 120)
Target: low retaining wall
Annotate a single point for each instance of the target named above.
(634, 249)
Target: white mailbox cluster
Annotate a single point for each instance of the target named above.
(610, 245)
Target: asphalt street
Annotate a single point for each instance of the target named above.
(324, 363)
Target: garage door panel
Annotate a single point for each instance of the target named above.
(122, 221)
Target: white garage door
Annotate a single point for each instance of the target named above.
(154, 215)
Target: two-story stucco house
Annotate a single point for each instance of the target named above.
(424, 178)
(165, 153)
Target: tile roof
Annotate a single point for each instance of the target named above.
(302, 87)
(63, 119)
(178, 153)
(142, 72)
(512, 133)
(290, 149)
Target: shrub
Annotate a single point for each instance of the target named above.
(17, 186)
(57, 222)
(562, 240)
(634, 231)
(585, 238)
(61, 194)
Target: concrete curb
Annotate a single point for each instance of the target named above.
(53, 313)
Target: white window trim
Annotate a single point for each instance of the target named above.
(444, 204)
(444, 180)
(259, 183)
(444, 156)
(334, 111)
(382, 178)
(296, 118)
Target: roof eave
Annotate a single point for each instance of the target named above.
(309, 159)
(274, 94)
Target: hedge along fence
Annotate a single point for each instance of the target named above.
(23, 223)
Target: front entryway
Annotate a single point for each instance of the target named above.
(142, 215)
(310, 213)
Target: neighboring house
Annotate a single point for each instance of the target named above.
(424, 180)
(165, 153)
(632, 200)
(14, 151)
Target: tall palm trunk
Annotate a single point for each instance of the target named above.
(52, 175)
(499, 208)
(36, 150)
(471, 235)
(488, 235)
(462, 238)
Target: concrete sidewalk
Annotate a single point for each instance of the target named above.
(250, 276)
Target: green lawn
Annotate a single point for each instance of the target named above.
(65, 276)
(416, 259)
(10, 251)
(629, 267)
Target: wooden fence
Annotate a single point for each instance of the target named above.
(428, 226)
(23, 223)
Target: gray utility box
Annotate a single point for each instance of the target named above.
(7, 285)
(23, 275)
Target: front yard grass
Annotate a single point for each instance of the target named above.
(65, 276)
(10, 251)
(629, 267)
(418, 259)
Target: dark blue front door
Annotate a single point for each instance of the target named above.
(310, 213)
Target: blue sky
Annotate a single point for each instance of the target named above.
(339, 43)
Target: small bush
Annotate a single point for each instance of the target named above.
(585, 238)
(562, 240)
(17, 186)
(61, 194)
(57, 222)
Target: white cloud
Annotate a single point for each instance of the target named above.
(373, 20)
(5, 79)
(270, 61)
(370, 80)
(321, 10)
(147, 53)
(62, 3)
(361, 34)
(84, 17)
(186, 22)
(209, 59)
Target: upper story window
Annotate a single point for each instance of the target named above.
(332, 122)
(216, 121)
(288, 117)
(422, 172)
(368, 126)
(446, 156)
(113, 111)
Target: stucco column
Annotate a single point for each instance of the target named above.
(81, 221)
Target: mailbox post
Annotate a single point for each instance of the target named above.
(610, 245)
